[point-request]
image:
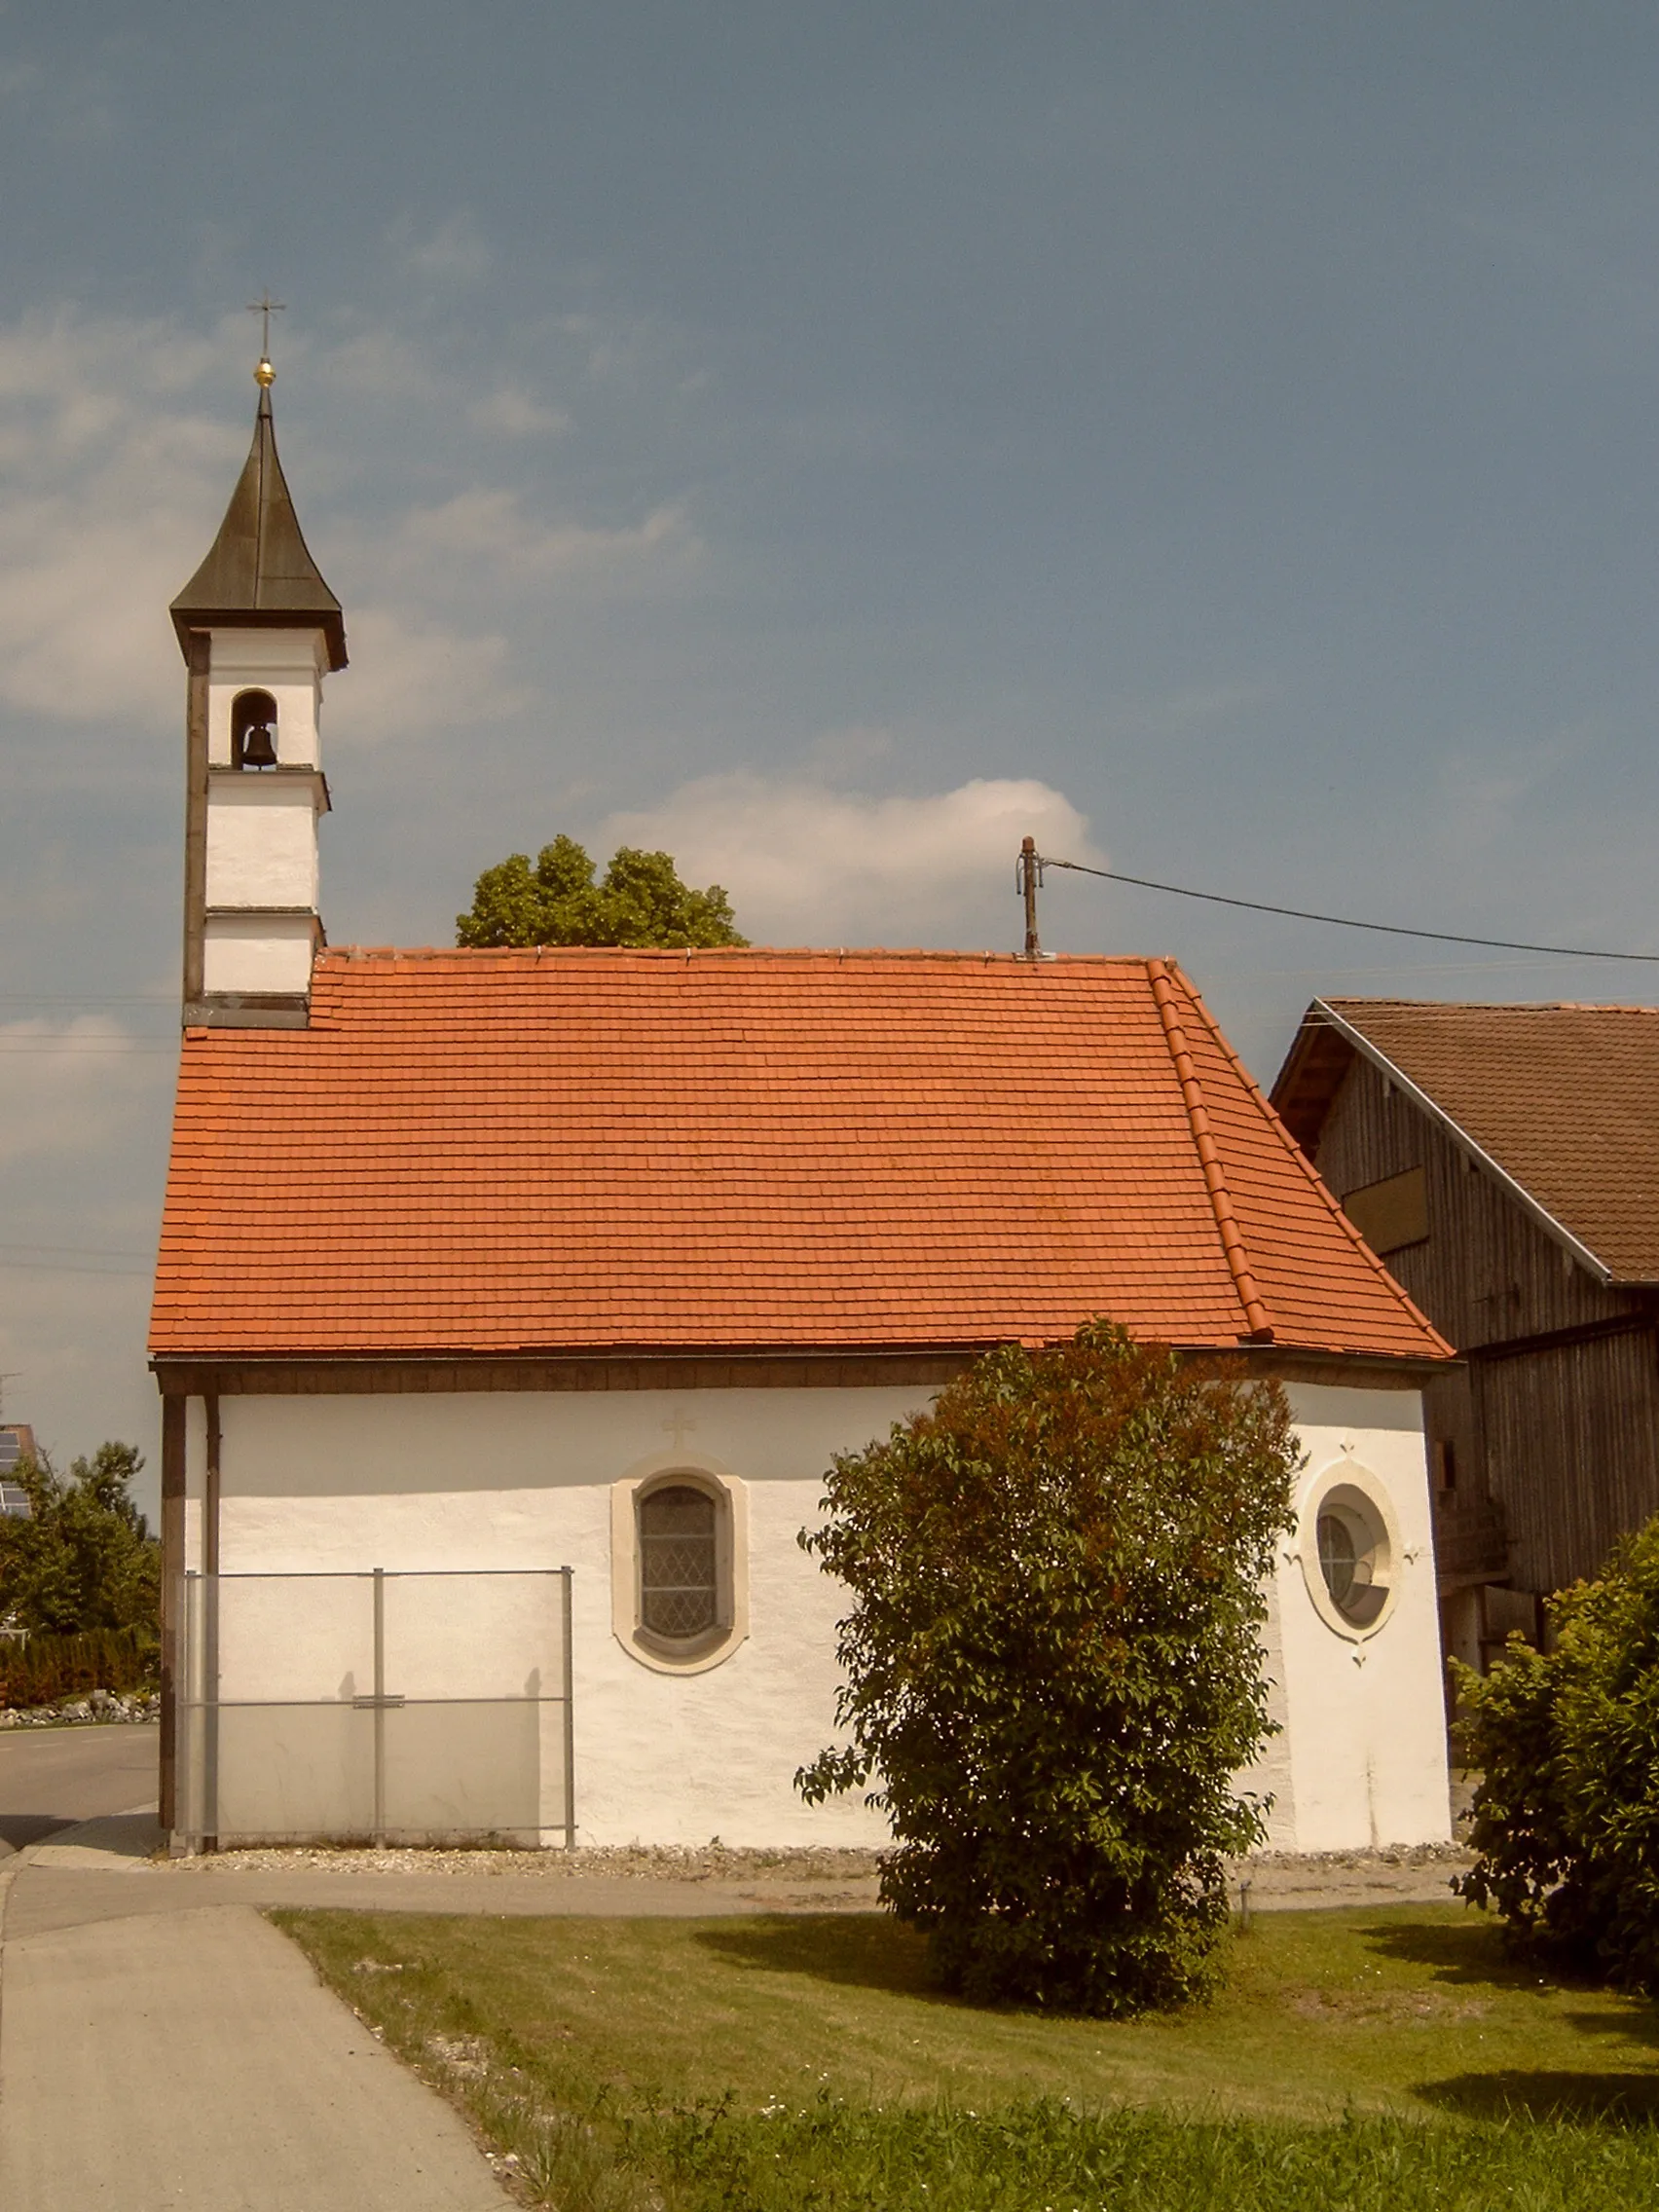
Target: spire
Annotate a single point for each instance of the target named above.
(258, 574)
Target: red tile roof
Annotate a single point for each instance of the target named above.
(603, 1151)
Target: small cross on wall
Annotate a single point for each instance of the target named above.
(677, 1427)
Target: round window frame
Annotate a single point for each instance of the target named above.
(1355, 1492)
(712, 1647)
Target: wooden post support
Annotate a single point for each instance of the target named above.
(201, 653)
(174, 1412)
(1030, 875)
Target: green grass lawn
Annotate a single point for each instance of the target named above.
(1388, 2057)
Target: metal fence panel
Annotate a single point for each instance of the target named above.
(385, 1706)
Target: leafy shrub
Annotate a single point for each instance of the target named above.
(1052, 1663)
(1566, 1817)
(48, 1669)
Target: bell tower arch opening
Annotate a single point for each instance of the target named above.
(253, 730)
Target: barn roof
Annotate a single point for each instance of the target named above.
(579, 1150)
(1560, 1101)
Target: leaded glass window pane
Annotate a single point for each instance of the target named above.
(677, 1562)
(1337, 1558)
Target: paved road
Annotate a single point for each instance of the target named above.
(194, 2064)
(51, 1778)
(227, 2079)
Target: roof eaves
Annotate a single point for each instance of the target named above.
(1277, 1123)
(1475, 1151)
(1259, 1323)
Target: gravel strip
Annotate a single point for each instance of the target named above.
(1279, 1879)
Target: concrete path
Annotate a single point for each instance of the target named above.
(186, 2059)
(192, 2062)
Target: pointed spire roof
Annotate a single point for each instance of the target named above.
(259, 573)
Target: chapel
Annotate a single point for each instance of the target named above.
(511, 1306)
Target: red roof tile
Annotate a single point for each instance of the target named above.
(595, 1151)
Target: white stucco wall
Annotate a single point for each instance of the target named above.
(265, 952)
(262, 840)
(289, 664)
(526, 1479)
(262, 836)
(1366, 1747)
(474, 1480)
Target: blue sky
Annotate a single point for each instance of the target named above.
(826, 441)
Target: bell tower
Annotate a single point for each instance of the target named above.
(259, 630)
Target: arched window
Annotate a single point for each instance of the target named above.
(678, 1563)
(253, 730)
(679, 1566)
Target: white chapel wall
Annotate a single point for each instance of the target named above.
(259, 953)
(478, 1480)
(286, 663)
(262, 842)
(1367, 1746)
(481, 1480)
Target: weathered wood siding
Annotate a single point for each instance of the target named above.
(1487, 1272)
(1570, 1436)
(1566, 1438)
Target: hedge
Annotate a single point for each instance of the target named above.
(50, 1668)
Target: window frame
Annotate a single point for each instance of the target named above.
(712, 1647)
(1351, 1493)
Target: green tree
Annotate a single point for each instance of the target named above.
(640, 900)
(84, 1559)
(1566, 1815)
(1052, 1663)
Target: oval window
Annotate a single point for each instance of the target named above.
(679, 1564)
(1353, 1556)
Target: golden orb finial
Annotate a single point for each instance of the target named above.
(265, 375)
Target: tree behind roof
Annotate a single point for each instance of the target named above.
(640, 902)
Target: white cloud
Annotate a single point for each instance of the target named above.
(513, 413)
(370, 362)
(106, 467)
(120, 442)
(493, 528)
(457, 252)
(69, 1087)
(808, 864)
(408, 677)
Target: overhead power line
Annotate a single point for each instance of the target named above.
(1345, 921)
(9, 1266)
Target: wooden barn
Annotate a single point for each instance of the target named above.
(1502, 1158)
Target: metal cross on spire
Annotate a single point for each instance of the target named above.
(266, 307)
